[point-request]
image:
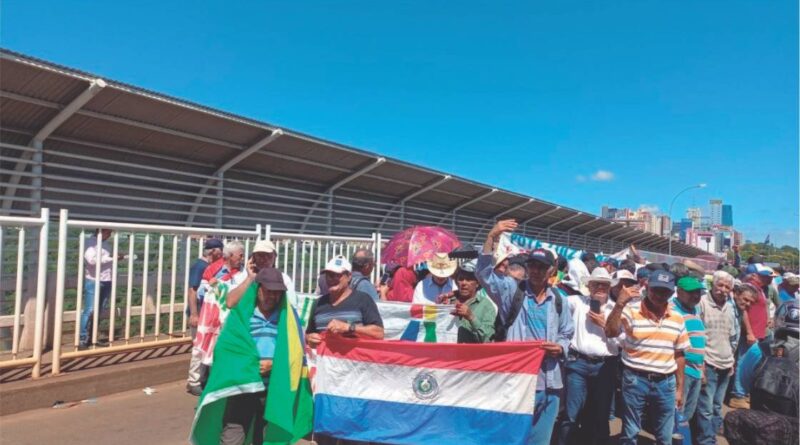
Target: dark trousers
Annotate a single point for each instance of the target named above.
(240, 414)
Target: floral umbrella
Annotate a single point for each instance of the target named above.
(418, 244)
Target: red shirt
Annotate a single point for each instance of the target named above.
(402, 285)
(757, 312)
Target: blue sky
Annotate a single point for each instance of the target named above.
(581, 103)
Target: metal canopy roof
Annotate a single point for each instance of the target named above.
(115, 147)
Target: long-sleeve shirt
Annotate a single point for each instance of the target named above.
(535, 321)
(481, 328)
(402, 285)
(90, 259)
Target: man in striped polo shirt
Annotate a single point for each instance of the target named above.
(652, 357)
(690, 289)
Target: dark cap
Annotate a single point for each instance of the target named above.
(517, 259)
(213, 243)
(270, 278)
(642, 272)
(662, 278)
(543, 256)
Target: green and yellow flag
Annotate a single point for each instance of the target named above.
(289, 404)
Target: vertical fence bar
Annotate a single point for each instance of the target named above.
(184, 320)
(112, 312)
(79, 289)
(302, 282)
(294, 262)
(18, 296)
(159, 282)
(145, 276)
(129, 295)
(320, 263)
(173, 278)
(40, 294)
(61, 275)
(98, 261)
(286, 256)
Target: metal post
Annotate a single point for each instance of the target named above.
(40, 294)
(220, 196)
(61, 273)
(330, 214)
(36, 180)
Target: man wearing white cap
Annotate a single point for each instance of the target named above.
(264, 256)
(439, 284)
(591, 364)
(788, 287)
(343, 310)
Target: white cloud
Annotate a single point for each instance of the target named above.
(649, 208)
(602, 175)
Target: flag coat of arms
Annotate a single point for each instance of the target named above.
(426, 393)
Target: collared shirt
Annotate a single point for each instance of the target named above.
(650, 345)
(363, 284)
(427, 290)
(590, 339)
(264, 331)
(695, 355)
(90, 259)
(481, 328)
(721, 331)
(559, 328)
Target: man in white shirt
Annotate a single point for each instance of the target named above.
(90, 283)
(438, 285)
(591, 364)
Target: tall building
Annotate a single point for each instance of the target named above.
(715, 212)
(727, 215)
(695, 215)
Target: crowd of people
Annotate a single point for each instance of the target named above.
(656, 345)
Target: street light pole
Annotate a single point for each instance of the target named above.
(697, 186)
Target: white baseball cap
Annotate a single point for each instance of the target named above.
(264, 246)
(338, 264)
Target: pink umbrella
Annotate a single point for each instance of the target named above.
(418, 244)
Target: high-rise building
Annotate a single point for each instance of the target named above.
(715, 212)
(695, 215)
(727, 215)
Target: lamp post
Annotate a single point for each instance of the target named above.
(697, 186)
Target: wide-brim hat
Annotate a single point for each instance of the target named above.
(622, 274)
(442, 266)
(598, 275)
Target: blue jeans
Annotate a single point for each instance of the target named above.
(88, 304)
(738, 388)
(637, 391)
(709, 406)
(589, 390)
(691, 394)
(545, 410)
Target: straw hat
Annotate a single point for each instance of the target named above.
(442, 266)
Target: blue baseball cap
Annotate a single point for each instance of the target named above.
(661, 278)
(543, 256)
(760, 269)
(213, 243)
(643, 272)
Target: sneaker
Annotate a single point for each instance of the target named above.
(739, 403)
(194, 390)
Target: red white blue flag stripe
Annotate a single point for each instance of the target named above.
(425, 393)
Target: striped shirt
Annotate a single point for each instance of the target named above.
(264, 332)
(696, 330)
(650, 345)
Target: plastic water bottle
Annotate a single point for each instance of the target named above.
(681, 433)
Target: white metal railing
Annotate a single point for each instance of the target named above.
(303, 256)
(13, 356)
(149, 281)
(154, 258)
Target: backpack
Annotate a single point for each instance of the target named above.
(501, 329)
(751, 427)
(354, 283)
(775, 383)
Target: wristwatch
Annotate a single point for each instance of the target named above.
(351, 328)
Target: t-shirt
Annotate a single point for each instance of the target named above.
(695, 355)
(196, 273)
(650, 345)
(757, 314)
(358, 308)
